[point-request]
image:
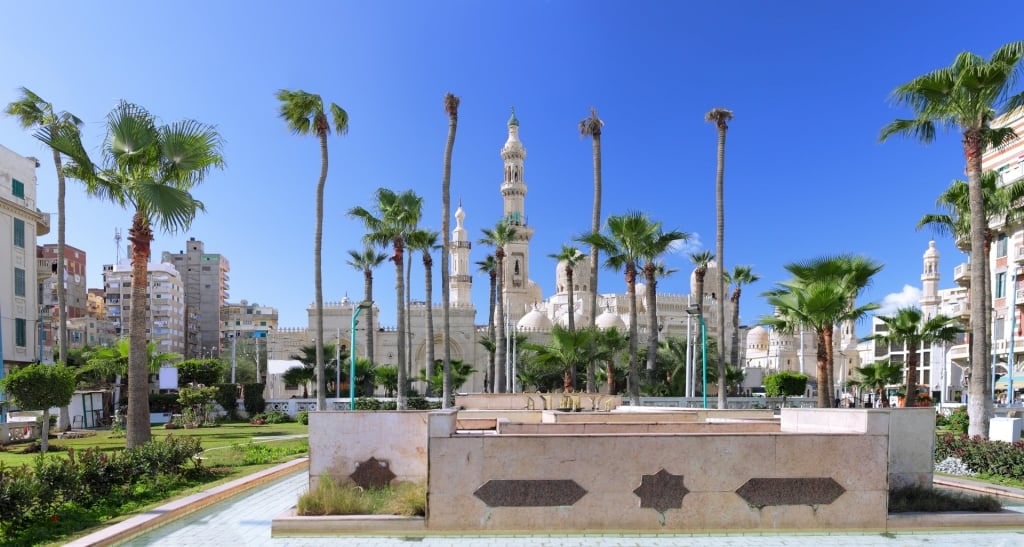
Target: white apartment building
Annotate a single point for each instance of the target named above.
(165, 306)
(21, 222)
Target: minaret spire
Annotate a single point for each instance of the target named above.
(517, 290)
(460, 280)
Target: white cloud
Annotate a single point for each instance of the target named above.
(908, 297)
(684, 248)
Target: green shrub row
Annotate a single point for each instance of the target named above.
(31, 496)
(994, 458)
(272, 417)
(413, 403)
(957, 421)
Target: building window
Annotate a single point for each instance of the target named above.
(1000, 285)
(19, 233)
(1001, 245)
(20, 332)
(19, 282)
(18, 188)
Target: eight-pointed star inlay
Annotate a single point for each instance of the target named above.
(661, 491)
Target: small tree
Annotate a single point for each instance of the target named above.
(204, 372)
(196, 404)
(40, 387)
(785, 384)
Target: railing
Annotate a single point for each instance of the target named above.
(1020, 297)
(962, 272)
(1018, 254)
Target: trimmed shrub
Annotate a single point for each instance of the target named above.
(253, 399)
(958, 421)
(995, 458)
(227, 398)
(303, 418)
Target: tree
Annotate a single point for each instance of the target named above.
(152, 169)
(308, 357)
(592, 126)
(365, 262)
(498, 237)
(659, 244)
(300, 376)
(568, 349)
(32, 111)
(909, 329)
(425, 241)
(451, 107)
(966, 96)
(740, 276)
(626, 239)
(489, 266)
(435, 380)
(570, 256)
(40, 387)
(720, 117)
(115, 361)
(304, 114)
(204, 372)
(785, 384)
(876, 376)
(397, 215)
(701, 261)
(611, 343)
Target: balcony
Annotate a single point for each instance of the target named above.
(1018, 254)
(43, 226)
(960, 309)
(962, 274)
(1020, 297)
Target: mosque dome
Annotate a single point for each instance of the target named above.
(608, 319)
(580, 276)
(757, 337)
(579, 320)
(535, 320)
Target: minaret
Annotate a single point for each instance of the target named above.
(513, 192)
(460, 282)
(930, 282)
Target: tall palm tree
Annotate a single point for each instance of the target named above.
(451, 107)
(624, 243)
(966, 96)
(304, 114)
(152, 169)
(656, 247)
(592, 126)
(571, 256)
(720, 117)
(425, 241)
(498, 237)
(32, 112)
(909, 329)
(701, 261)
(365, 262)
(397, 215)
(489, 266)
(740, 276)
(876, 376)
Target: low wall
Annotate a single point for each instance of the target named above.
(537, 401)
(13, 432)
(665, 428)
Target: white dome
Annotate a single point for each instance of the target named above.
(757, 337)
(535, 320)
(578, 318)
(608, 320)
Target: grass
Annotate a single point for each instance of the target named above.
(933, 500)
(330, 498)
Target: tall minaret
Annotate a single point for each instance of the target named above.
(460, 282)
(930, 282)
(513, 192)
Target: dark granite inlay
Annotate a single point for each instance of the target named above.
(373, 473)
(661, 491)
(529, 493)
(807, 491)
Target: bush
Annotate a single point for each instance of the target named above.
(253, 399)
(330, 498)
(164, 402)
(993, 458)
(958, 421)
(227, 398)
(933, 500)
(303, 418)
(272, 417)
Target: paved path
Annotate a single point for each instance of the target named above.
(245, 521)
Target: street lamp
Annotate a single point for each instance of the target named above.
(695, 309)
(352, 354)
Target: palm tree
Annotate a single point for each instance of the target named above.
(498, 237)
(435, 377)
(451, 107)
(909, 329)
(365, 262)
(396, 217)
(611, 344)
(701, 261)
(304, 114)
(967, 95)
(876, 376)
(113, 361)
(740, 276)
(425, 241)
(656, 247)
(592, 126)
(570, 256)
(489, 266)
(151, 169)
(32, 111)
(568, 350)
(625, 242)
(720, 117)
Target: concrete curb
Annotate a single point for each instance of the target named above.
(168, 512)
(964, 483)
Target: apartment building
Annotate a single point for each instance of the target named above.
(205, 278)
(96, 304)
(74, 288)
(21, 222)
(90, 331)
(165, 304)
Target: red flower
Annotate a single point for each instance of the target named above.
(53, 518)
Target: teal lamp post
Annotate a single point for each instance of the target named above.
(696, 310)
(352, 354)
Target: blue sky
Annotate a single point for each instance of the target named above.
(806, 176)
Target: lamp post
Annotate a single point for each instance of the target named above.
(1013, 334)
(696, 310)
(352, 354)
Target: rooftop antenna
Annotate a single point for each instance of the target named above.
(117, 244)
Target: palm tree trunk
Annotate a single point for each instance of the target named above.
(735, 353)
(698, 347)
(720, 256)
(911, 396)
(829, 366)
(400, 304)
(410, 373)
(634, 365)
(499, 321)
(428, 274)
(821, 356)
(368, 297)
(137, 431)
(491, 369)
(64, 423)
(321, 380)
(595, 227)
(446, 213)
(979, 401)
(572, 322)
(652, 322)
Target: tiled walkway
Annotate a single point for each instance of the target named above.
(245, 521)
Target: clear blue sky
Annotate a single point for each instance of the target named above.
(808, 82)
